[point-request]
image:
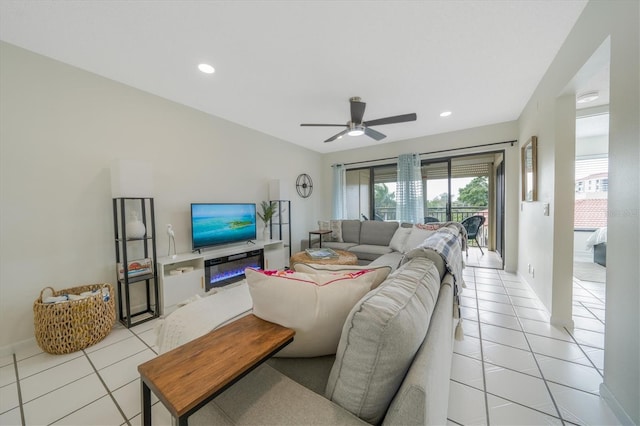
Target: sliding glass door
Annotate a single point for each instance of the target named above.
(437, 190)
(454, 188)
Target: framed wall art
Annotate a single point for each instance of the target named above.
(529, 169)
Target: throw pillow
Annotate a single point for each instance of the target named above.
(314, 305)
(336, 230)
(323, 225)
(399, 239)
(430, 226)
(380, 338)
(416, 237)
(310, 268)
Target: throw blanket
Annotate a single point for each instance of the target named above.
(448, 242)
(434, 226)
(202, 315)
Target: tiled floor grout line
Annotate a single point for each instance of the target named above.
(571, 340)
(524, 373)
(142, 340)
(584, 352)
(15, 367)
(113, 398)
(592, 294)
(594, 315)
(55, 389)
(537, 353)
(484, 376)
(526, 406)
(53, 366)
(544, 380)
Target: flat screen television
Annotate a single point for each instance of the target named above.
(213, 224)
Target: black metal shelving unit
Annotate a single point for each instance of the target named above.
(130, 249)
(280, 226)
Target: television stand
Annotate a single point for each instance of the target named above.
(183, 277)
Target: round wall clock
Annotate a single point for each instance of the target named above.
(304, 185)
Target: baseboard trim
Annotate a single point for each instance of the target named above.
(561, 322)
(615, 406)
(15, 347)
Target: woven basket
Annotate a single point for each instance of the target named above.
(65, 327)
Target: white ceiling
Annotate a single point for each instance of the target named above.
(282, 63)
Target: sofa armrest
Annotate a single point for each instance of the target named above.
(265, 396)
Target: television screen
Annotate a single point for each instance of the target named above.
(214, 224)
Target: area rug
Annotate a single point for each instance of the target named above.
(589, 271)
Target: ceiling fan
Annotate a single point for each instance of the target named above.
(357, 127)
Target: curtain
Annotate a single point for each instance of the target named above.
(339, 192)
(410, 204)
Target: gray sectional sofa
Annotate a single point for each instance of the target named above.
(367, 239)
(391, 367)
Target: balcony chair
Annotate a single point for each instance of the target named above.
(472, 224)
(428, 219)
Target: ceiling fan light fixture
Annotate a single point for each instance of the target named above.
(587, 97)
(358, 131)
(206, 68)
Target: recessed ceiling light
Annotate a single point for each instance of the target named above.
(445, 113)
(206, 68)
(587, 97)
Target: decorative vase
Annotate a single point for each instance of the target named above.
(135, 228)
(265, 233)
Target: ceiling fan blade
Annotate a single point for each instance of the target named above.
(338, 136)
(323, 125)
(374, 134)
(391, 120)
(357, 111)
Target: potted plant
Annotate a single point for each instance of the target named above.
(268, 210)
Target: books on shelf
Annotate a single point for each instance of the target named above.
(322, 253)
(136, 268)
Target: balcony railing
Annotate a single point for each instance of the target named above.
(458, 214)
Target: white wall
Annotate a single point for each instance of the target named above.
(62, 127)
(546, 116)
(460, 139)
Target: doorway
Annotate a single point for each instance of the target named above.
(456, 188)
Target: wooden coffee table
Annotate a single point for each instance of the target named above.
(187, 377)
(344, 258)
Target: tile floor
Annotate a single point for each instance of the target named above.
(512, 367)
(482, 259)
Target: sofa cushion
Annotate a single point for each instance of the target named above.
(429, 254)
(393, 260)
(335, 226)
(324, 225)
(424, 393)
(351, 231)
(311, 268)
(314, 305)
(380, 337)
(369, 252)
(267, 397)
(399, 239)
(336, 245)
(312, 373)
(416, 237)
(378, 233)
